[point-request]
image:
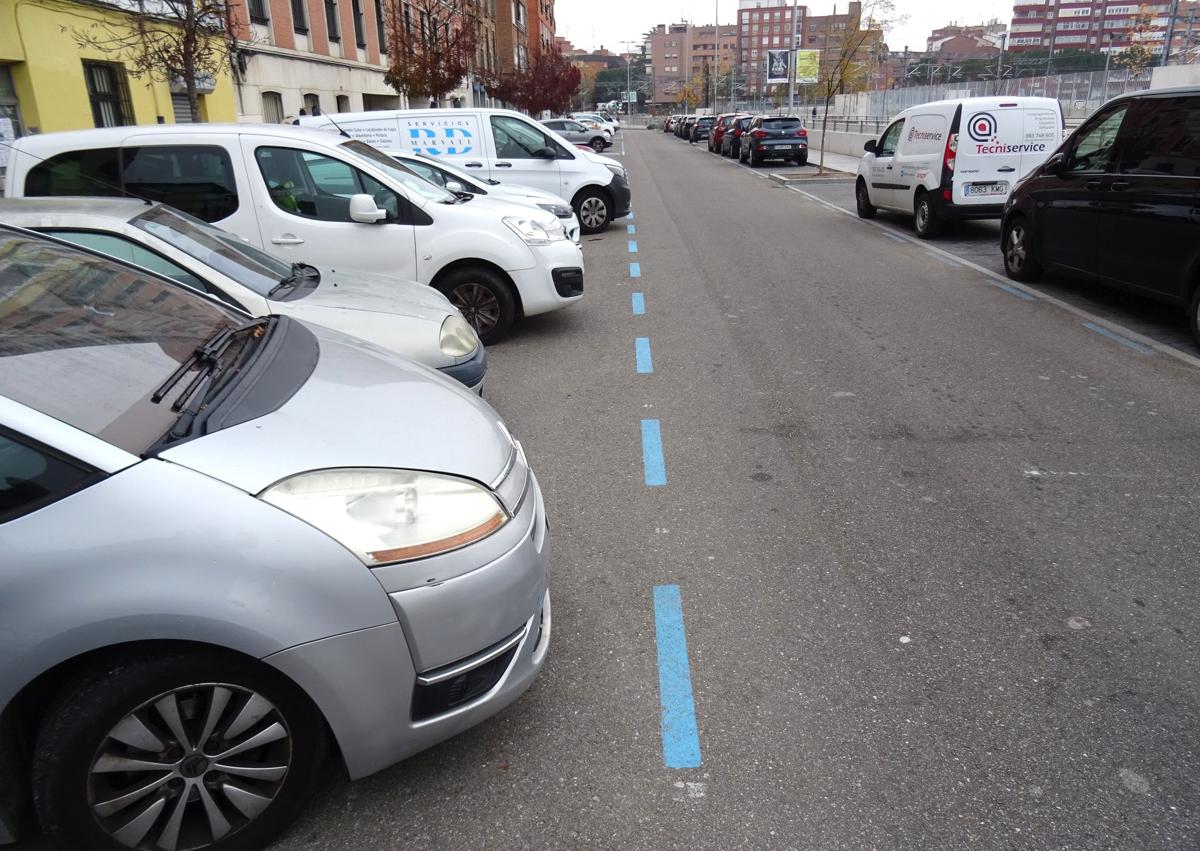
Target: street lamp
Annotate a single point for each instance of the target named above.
(1000, 62)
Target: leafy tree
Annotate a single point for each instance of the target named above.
(168, 39)
(1141, 53)
(847, 63)
(547, 84)
(432, 46)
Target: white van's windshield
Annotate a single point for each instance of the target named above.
(405, 177)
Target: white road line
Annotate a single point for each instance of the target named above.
(1171, 351)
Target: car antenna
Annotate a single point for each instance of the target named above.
(124, 193)
(339, 128)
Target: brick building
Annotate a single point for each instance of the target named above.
(1098, 25)
(682, 52)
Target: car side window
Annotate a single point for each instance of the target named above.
(434, 175)
(132, 252)
(889, 140)
(93, 172)
(32, 476)
(197, 179)
(1163, 138)
(1093, 147)
(574, 127)
(315, 186)
(516, 140)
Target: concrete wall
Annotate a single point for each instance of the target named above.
(849, 144)
(1175, 75)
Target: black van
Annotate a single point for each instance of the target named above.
(1118, 202)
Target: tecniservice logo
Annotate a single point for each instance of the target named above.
(982, 130)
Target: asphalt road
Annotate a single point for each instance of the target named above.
(936, 547)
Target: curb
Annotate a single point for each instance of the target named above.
(839, 177)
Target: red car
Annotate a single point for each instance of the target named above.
(724, 120)
(731, 138)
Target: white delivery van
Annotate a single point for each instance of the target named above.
(306, 195)
(497, 144)
(956, 159)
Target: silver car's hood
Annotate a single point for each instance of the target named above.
(381, 293)
(361, 407)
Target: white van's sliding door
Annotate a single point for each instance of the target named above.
(512, 159)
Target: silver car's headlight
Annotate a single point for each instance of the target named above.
(562, 211)
(385, 516)
(535, 233)
(457, 338)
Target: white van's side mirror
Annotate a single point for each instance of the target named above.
(870, 147)
(364, 210)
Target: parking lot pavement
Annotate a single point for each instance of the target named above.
(851, 549)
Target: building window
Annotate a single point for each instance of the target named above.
(343, 103)
(360, 37)
(109, 94)
(380, 26)
(331, 21)
(258, 11)
(312, 103)
(299, 17)
(272, 108)
(519, 13)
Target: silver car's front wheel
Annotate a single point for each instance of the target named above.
(193, 750)
(189, 767)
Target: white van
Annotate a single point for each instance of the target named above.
(306, 195)
(499, 144)
(956, 159)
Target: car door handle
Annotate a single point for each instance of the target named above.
(1006, 169)
(503, 165)
(889, 168)
(474, 165)
(287, 239)
(1092, 184)
(1119, 185)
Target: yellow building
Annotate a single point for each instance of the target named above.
(48, 82)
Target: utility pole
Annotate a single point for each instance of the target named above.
(792, 60)
(1166, 56)
(1000, 62)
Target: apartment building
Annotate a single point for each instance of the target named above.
(682, 52)
(765, 25)
(989, 33)
(1100, 25)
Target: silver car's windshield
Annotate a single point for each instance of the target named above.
(87, 340)
(215, 248)
(404, 176)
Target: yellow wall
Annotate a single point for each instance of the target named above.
(37, 35)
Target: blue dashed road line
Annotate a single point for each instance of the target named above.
(645, 362)
(630, 229)
(639, 304)
(635, 270)
(680, 735)
(1021, 294)
(633, 246)
(654, 467)
(892, 236)
(1117, 338)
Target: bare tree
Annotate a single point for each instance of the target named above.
(169, 39)
(847, 63)
(433, 45)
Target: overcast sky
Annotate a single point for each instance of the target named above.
(592, 23)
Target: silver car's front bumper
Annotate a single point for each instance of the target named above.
(366, 682)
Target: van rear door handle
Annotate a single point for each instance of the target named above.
(1006, 169)
(503, 165)
(474, 165)
(1092, 184)
(287, 239)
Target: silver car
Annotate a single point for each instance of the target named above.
(577, 132)
(232, 546)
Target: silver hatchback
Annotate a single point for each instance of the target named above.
(230, 543)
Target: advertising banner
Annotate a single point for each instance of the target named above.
(808, 66)
(777, 66)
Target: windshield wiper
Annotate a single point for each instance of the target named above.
(300, 271)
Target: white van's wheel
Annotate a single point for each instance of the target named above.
(484, 299)
(594, 210)
(862, 200)
(925, 218)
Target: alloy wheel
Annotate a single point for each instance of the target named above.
(478, 305)
(593, 212)
(922, 216)
(1017, 249)
(189, 767)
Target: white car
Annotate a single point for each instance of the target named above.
(401, 316)
(956, 159)
(610, 126)
(454, 179)
(315, 197)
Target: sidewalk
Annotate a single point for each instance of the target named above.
(837, 162)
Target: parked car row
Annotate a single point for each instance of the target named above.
(1129, 176)
(753, 139)
(261, 522)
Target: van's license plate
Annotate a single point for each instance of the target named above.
(986, 188)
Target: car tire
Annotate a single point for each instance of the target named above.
(754, 161)
(484, 298)
(1021, 262)
(122, 696)
(862, 201)
(598, 145)
(594, 209)
(925, 218)
(802, 161)
(1194, 314)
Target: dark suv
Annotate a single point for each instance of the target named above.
(1118, 202)
(701, 129)
(774, 137)
(731, 141)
